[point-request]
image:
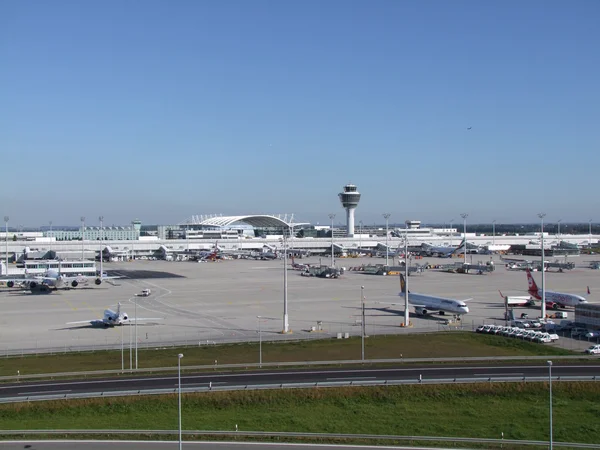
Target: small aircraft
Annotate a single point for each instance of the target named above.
(52, 280)
(112, 318)
(554, 300)
(426, 304)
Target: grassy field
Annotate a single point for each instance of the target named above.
(477, 410)
(433, 345)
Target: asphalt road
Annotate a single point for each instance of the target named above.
(429, 372)
(149, 445)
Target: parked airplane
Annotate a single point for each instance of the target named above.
(53, 280)
(554, 300)
(442, 251)
(112, 318)
(426, 304)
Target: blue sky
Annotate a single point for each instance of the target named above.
(159, 110)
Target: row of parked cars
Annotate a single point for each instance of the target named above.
(518, 332)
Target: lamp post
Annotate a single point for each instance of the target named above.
(590, 238)
(179, 393)
(360, 236)
(101, 219)
(362, 323)
(406, 293)
(494, 232)
(541, 216)
(133, 236)
(559, 221)
(451, 231)
(332, 216)
(82, 237)
(6, 241)
(550, 388)
(464, 216)
(386, 216)
(259, 343)
(136, 336)
(286, 324)
(50, 236)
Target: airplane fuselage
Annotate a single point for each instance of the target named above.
(426, 303)
(560, 298)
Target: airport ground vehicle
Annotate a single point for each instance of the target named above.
(146, 293)
(593, 350)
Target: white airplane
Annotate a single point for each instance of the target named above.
(53, 280)
(554, 300)
(523, 300)
(112, 318)
(425, 304)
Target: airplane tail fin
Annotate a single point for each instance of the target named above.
(532, 285)
(501, 294)
(460, 246)
(402, 284)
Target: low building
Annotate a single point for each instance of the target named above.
(588, 314)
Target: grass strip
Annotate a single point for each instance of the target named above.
(519, 410)
(417, 345)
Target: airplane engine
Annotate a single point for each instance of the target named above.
(97, 281)
(74, 283)
(10, 284)
(421, 311)
(32, 285)
(124, 316)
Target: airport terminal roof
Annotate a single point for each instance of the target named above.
(255, 220)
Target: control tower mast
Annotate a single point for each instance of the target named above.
(349, 198)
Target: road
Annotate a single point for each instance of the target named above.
(162, 445)
(426, 373)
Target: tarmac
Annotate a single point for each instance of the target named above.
(214, 302)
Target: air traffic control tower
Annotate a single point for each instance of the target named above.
(350, 198)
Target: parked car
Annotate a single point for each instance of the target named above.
(593, 350)
(592, 334)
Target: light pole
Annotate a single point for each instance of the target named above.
(541, 216)
(360, 236)
(494, 232)
(559, 221)
(6, 240)
(451, 231)
(259, 343)
(136, 337)
(362, 323)
(101, 219)
(50, 235)
(386, 216)
(179, 393)
(550, 387)
(590, 238)
(122, 352)
(464, 216)
(82, 237)
(286, 324)
(332, 216)
(133, 236)
(406, 293)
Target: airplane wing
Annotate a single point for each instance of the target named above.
(92, 322)
(142, 318)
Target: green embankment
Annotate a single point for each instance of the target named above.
(519, 410)
(417, 345)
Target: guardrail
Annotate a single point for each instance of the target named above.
(21, 377)
(271, 434)
(327, 384)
